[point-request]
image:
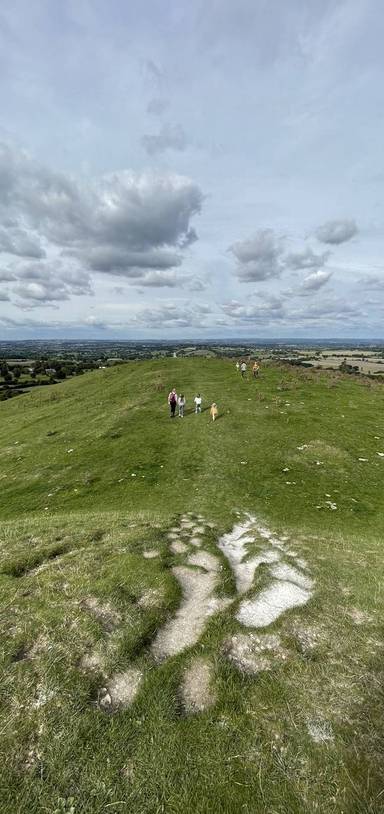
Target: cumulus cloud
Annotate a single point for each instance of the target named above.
(335, 232)
(174, 315)
(161, 279)
(50, 282)
(259, 257)
(306, 259)
(122, 223)
(315, 281)
(169, 137)
(261, 312)
(20, 243)
(6, 275)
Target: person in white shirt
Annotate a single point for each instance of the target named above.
(243, 369)
(181, 405)
(197, 401)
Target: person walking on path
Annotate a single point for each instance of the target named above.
(181, 405)
(198, 401)
(243, 369)
(237, 366)
(214, 411)
(172, 401)
(255, 370)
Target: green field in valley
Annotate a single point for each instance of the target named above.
(140, 670)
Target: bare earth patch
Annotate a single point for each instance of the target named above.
(252, 653)
(198, 529)
(104, 613)
(196, 690)
(309, 637)
(178, 547)
(197, 605)
(271, 603)
(288, 572)
(205, 560)
(359, 617)
(151, 598)
(121, 690)
(92, 662)
(233, 545)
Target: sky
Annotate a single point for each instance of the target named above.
(173, 169)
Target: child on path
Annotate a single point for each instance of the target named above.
(255, 370)
(197, 401)
(243, 369)
(181, 403)
(214, 411)
(237, 366)
(172, 401)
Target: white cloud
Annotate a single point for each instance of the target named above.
(18, 242)
(50, 282)
(306, 259)
(258, 258)
(262, 312)
(315, 281)
(335, 232)
(121, 223)
(174, 315)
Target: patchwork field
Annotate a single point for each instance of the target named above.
(191, 612)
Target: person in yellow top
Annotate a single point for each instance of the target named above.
(255, 370)
(214, 411)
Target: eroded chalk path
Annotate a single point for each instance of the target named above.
(197, 605)
(290, 587)
(286, 585)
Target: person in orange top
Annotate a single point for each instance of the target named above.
(214, 411)
(255, 370)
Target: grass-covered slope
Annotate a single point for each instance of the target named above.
(93, 476)
(105, 441)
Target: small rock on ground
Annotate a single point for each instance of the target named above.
(121, 690)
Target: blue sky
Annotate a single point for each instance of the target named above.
(173, 169)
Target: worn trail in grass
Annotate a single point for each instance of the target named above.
(116, 693)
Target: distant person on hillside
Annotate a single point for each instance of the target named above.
(243, 368)
(255, 370)
(181, 405)
(198, 401)
(214, 411)
(237, 366)
(172, 401)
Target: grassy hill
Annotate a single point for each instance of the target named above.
(94, 476)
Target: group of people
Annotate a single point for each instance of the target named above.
(179, 402)
(242, 367)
